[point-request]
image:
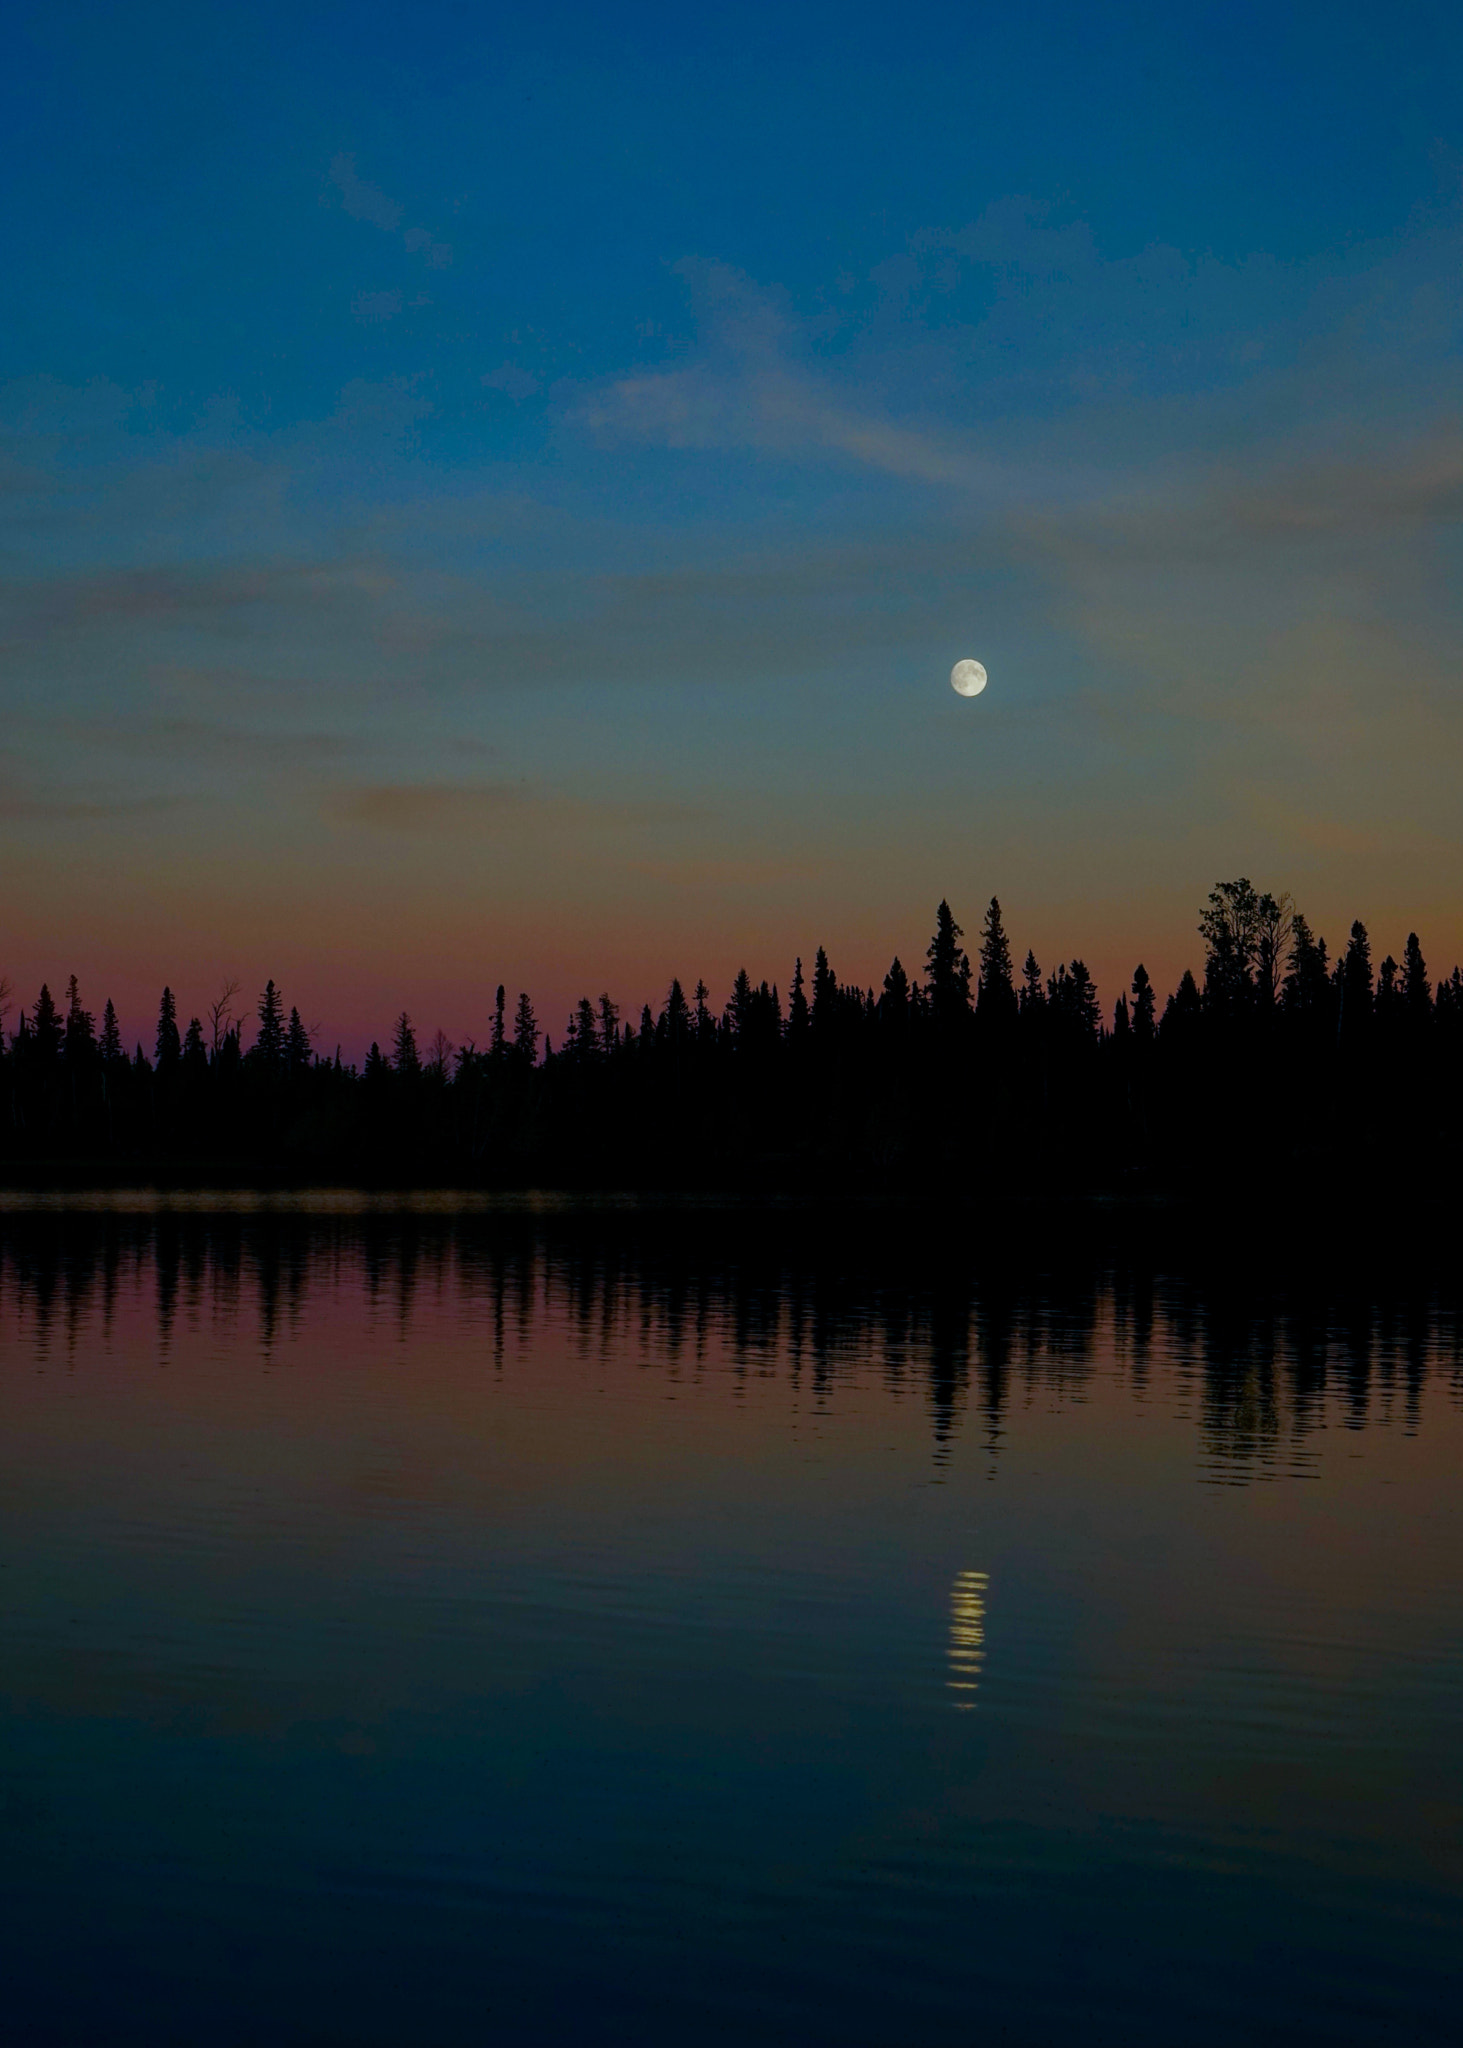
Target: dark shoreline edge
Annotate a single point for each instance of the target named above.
(1243, 1236)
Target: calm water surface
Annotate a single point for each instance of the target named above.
(430, 1629)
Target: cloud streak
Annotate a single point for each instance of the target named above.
(474, 809)
(750, 391)
(364, 201)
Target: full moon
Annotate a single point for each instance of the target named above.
(967, 678)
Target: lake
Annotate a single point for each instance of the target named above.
(550, 1624)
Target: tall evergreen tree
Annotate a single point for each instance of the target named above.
(1181, 1013)
(676, 1017)
(46, 1029)
(1033, 996)
(739, 1007)
(996, 994)
(269, 1045)
(1416, 991)
(1305, 989)
(798, 1015)
(825, 994)
(609, 1022)
(111, 1044)
(1355, 973)
(80, 1028)
(1143, 1005)
(584, 1025)
(405, 1057)
(894, 1003)
(525, 1032)
(947, 967)
(296, 1046)
(498, 1041)
(168, 1049)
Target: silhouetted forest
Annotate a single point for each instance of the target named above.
(1277, 1064)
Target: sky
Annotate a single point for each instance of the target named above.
(496, 494)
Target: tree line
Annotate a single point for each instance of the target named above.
(1277, 1059)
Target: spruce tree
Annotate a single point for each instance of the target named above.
(894, 1003)
(405, 1057)
(168, 1049)
(996, 995)
(525, 1032)
(80, 1029)
(586, 1029)
(1354, 970)
(947, 967)
(46, 1029)
(609, 1020)
(825, 993)
(1416, 992)
(297, 1045)
(798, 1016)
(269, 1045)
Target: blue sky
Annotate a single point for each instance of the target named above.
(498, 494)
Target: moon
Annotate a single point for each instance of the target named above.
(967, 678)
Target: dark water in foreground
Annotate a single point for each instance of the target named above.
(432, 1630)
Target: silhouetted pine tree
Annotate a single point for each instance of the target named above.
(168, 1049)
(798, 1015)
(609, 1021)
(296, 1046)
(1306, 988)
(111, 1041)
(947, 968)
(269, 1045)
(825, 995)
(1416, 990)
(996, 995)
(1354, 974)
(46, 1030)
(894, 1003)
(404, 1055)
(525, 1032)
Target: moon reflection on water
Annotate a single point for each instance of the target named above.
(967, 1634)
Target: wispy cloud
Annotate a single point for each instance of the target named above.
(374, 309)
(23, 806)
(364, 201)
(462, 809)
(1215, 512)
(361, 199)
(750, 389)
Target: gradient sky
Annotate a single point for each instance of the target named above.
(496, 494)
